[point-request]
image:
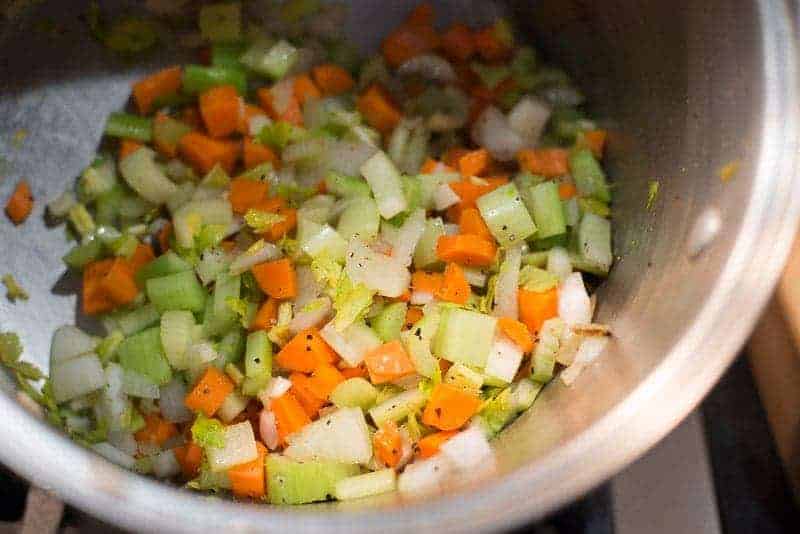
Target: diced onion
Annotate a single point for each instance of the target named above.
(420, 298)
(408, 237)
(137, 385)
(574, 306)
(268, 429)
(425, 477)
(444, 197)
(558, 262)
(70, 342)
(493, 132)
(528, 118)
(469, 451)
(429, 66)
(165, 464)
(124, 441)
(303, 319)
(504, 359)
(114, 455)
(240, 448)
(376, 271)
(259, 252)
(172, 402)
(275, 388)
(77, 377)
(505, 293)
(590, 348)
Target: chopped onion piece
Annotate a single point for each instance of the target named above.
(268, 429)
(114, 455)
(505, 293)
(408, 237)
(259, 252)
(172, 404)
(275, 388)
(165, 464)
(470, 452)
(376, 271)
(558, 262)
(425, 477)
(475, 276)
(70, 342)
(574, 306)
(528, 118)
(319, 310)
(504, 359)
(429, 66)
(308, 288)
(420, 298)
(493, 132)
(590, 348)
(444, 197)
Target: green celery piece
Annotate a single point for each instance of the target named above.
(425, 256)
(222, 318)
(207, 432)
(80, 255)
(291, 482)
(506, 215)
(535, 279)
(138, 319)
(388, 323)
(354, 393)
(417, 341)
(544, 355)
(221, 23)
(498, 413)
(594, 244)
(257, 362)
(589, 176)
(346, 186)
(547, 210)
(198, 79)
(397, 407)
(168, 131)
(169, 263)
(128, 126)
(179, 291)
(231, 347)
(537, 259)
(227, 55)
(360, 218)
(14, 290)
(274, 62)
(464, 337)
(143, 354)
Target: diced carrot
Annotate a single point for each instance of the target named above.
(245, 194)
(248, 112)
(163, 237)
(267, 315)
(128, 147)
(289, 415)
(277, 278)
(549, 162)
(455, 287)
(388, 444)
(163, 83)
(466, 250)
(388, 362)
(156, 430)
(458, 43)
(489, 46)
(119, 283)
(537, 307)
(422, 15)
(210, 392)
(359, 371)
(303, 392)
(413, 314)
(255, 153)
(453, 155)
(141, 256)
(190, 457)
(280, 229)
(203, 152)
(472, 223)
(324, 379)
(449, 407)
(430, 444)
(291, 113)
(474, 162)
(408, 41)
(595, 140)
(94, 299)
(305, 89)
(249, 480)
(425, 282)
(220, 108)
(20, 203)
(305, 352)
(469, 191)
(378, 109)
(432, 166)
(566, 191)
(516, 332)
(322, 187)
(191, 116)
(444, 365)
(332, 79)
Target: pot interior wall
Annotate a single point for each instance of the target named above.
(677, 84)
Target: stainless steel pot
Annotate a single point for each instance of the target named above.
(685, 88)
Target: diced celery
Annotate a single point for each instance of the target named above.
(168, 131)
(572, 212)
(272, 60)
(169, 263)
(398, 407)
(124, 246)
(143, 354)
(388, 323)
(506, 216)
(221, 22)
(536, 259)
(138, 319)
(190, 218)
(461, 376)
(232, 346)
(292, 482)
(354, 393)
(464, 337)
(544, 355)
(212, 263)
(179, 291)
(257, 362)
(146, 178)
(97, 180)
(547, 211)
(318, 209)
(588, 175)
(127, 126)
(360, 218)
(317, 239)
(366, 485)
(176, 332)
(524, 393)
(227, 55)
(82, 254)
(82, 221)
(425, 256)
(386, 184)
(221, 317)
(346, 186)
(198, 79)
(594, 243)
(417, 341)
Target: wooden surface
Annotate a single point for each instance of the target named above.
(774, 352)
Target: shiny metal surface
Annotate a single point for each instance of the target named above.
(684, 87)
